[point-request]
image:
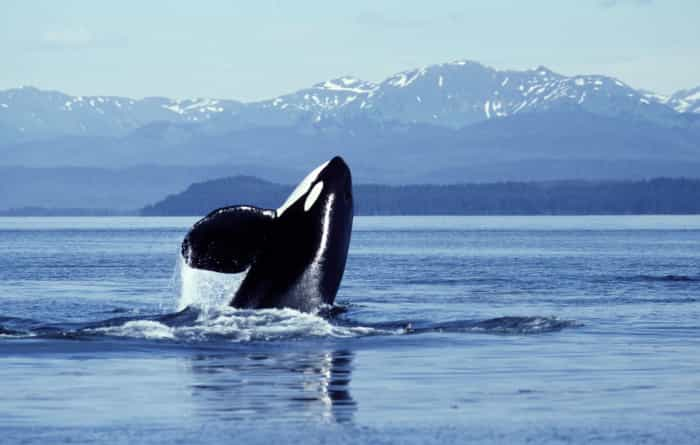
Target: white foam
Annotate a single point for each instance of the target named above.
(241, 325)
(210, 294)
(23, 335)
(151, 330)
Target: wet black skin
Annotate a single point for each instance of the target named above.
(290, 264)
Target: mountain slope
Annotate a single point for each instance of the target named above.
(399, 153)
(686, 101)
(450, 94)
(464, 92)
(37, 114)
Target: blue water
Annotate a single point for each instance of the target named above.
(457, 329)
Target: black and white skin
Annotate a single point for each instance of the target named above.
(291, 257)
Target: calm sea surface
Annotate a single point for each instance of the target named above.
(457, 329)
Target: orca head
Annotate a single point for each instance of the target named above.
(330, 181)
(316, 223)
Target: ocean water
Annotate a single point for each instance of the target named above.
(456, 329)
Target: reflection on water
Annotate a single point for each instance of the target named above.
(304, 385)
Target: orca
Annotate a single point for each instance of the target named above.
(291, 257)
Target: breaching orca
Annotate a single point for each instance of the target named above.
(291, 257)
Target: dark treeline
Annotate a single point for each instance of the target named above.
(202, 197)
(655, 196)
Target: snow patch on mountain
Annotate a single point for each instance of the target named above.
(685, 101)
(452, 94)
(347, 83)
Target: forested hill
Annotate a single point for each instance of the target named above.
(655, 196)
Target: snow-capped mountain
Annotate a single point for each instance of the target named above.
(450, 95)
(324, 97)
(464, 92)
(37, 113)
(685, 101)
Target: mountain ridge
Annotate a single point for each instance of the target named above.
(452, 94)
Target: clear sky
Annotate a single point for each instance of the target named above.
(251, 50)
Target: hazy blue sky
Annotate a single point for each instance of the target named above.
(259, 49)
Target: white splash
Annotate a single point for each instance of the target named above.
(150, 330)
(205, 289)
(241, 325)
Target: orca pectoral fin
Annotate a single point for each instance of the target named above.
(228, 239)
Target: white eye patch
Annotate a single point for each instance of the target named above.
(313, 195)
(301, 188)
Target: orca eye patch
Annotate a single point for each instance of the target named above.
(313, 195)
(302, 188)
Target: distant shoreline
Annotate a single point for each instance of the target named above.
(56, 213)
(661, 196)
(655, 196)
